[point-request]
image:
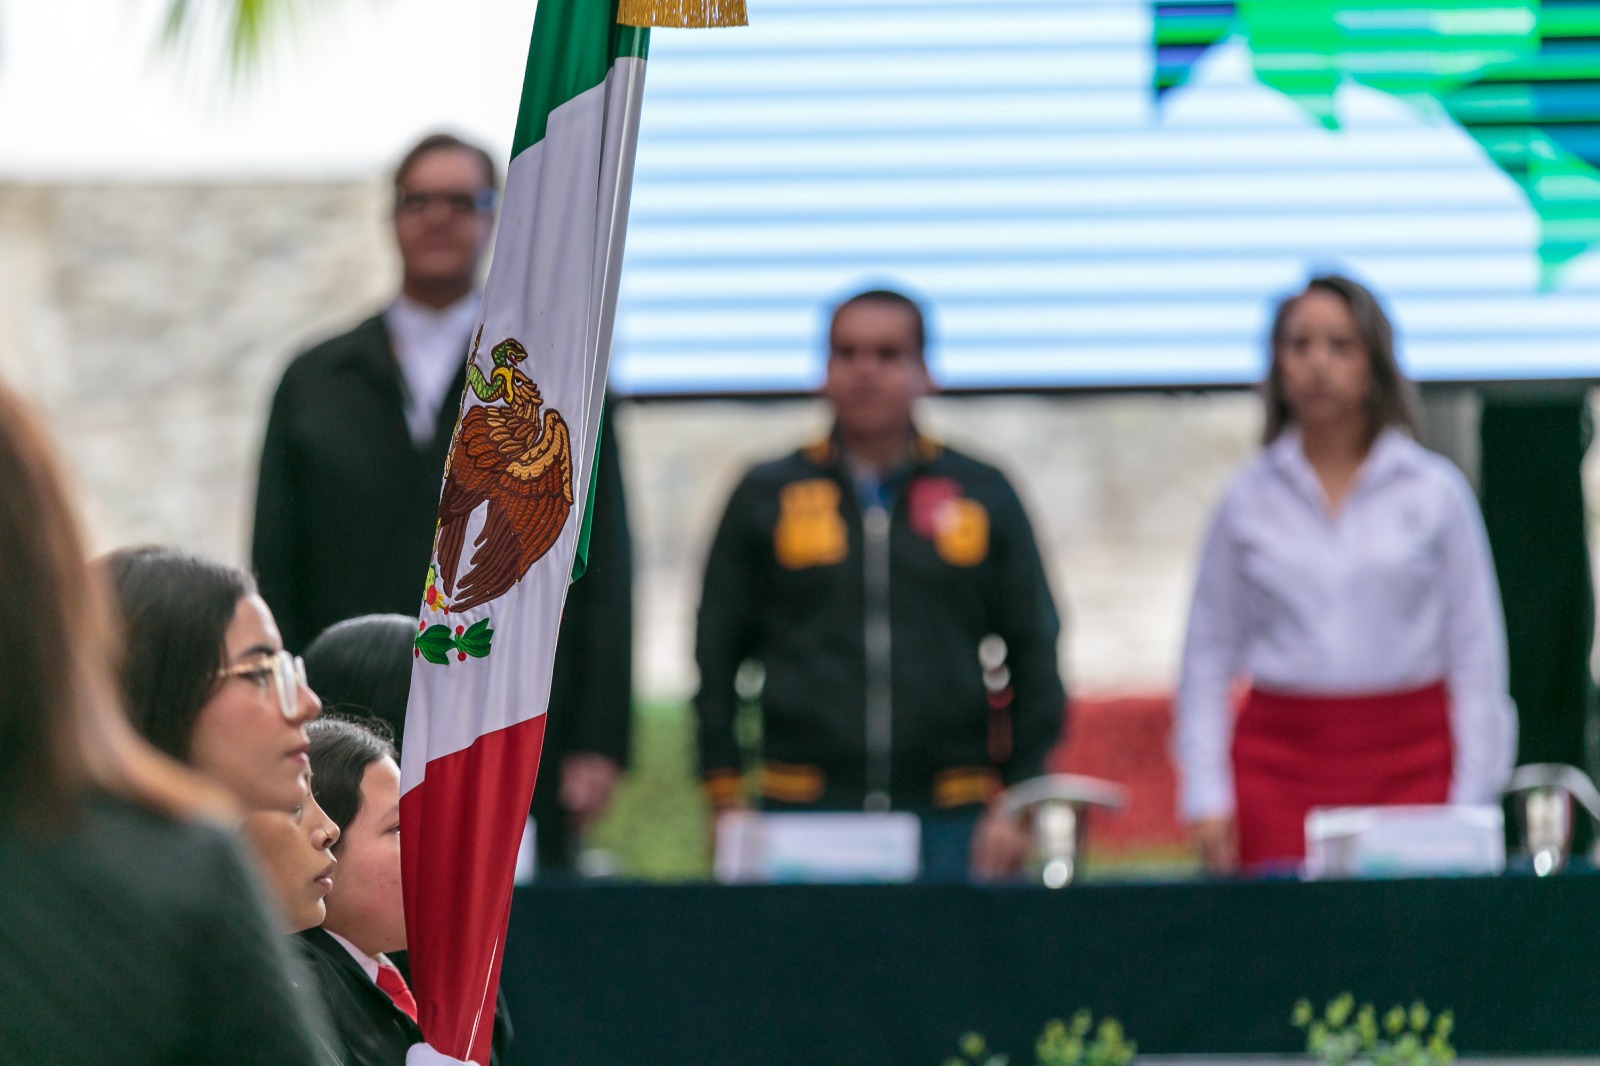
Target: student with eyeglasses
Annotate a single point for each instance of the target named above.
(207, 678)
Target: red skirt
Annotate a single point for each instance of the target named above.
(1293, 753)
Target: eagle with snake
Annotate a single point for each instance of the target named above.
(507, 455)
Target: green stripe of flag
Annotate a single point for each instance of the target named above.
(575, 43)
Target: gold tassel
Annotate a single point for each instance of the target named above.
(683, 14)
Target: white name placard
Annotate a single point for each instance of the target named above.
(1420, 841)
(817, 848)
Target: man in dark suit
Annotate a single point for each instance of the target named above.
(360, 426)
(352, 465)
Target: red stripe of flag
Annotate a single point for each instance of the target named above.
(460, 830)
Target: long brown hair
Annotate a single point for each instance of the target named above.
(62, 730)
(1392, 400)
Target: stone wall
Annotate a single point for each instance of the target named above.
(152, 322)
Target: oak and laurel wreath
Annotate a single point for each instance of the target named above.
(436, 643)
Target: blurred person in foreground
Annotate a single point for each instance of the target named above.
(132, 932)
(1347, 578)
(356, 954)
(351, 469)
(862, 572)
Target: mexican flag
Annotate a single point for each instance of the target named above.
(512, 514)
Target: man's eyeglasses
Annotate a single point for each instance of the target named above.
(285, 672)
(455, 203)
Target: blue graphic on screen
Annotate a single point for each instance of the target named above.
(1104, 193)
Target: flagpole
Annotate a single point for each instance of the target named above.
(616, 185)
(621, 199)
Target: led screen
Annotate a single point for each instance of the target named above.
(1095, 193)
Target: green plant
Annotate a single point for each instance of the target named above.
(975, 1051)
(1061, 1044)
(240, 30)
(1344, 1034)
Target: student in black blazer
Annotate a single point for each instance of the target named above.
(356, 780)
(370, 1029)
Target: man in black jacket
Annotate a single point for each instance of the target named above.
(354, 458)
(863, 573)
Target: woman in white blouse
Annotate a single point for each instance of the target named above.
(1347, 581)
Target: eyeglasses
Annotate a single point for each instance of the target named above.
(456, 203)
(285, 672)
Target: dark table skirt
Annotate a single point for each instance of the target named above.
(700, 975)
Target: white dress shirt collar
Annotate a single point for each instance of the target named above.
(458, 315)
(368, 964)
(429, 345)
(1392, 452)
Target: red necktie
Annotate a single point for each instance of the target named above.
(390, 981)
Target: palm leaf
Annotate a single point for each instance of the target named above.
(247, 25)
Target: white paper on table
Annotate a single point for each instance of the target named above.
(818, 848)
(1407, 841)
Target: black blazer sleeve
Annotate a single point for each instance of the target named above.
(600, 613)
(275, 551)
(726, 633)
(369, 1029)
(1026, 618)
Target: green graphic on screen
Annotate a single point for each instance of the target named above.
(1115, 193)
(1520, 77)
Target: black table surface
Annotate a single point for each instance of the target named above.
(704, 975)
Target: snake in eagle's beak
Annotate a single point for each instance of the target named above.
(502, 374)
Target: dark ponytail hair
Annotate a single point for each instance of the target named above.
(1391, 401)
(361, 667)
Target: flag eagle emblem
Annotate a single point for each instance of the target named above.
(516, 457)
